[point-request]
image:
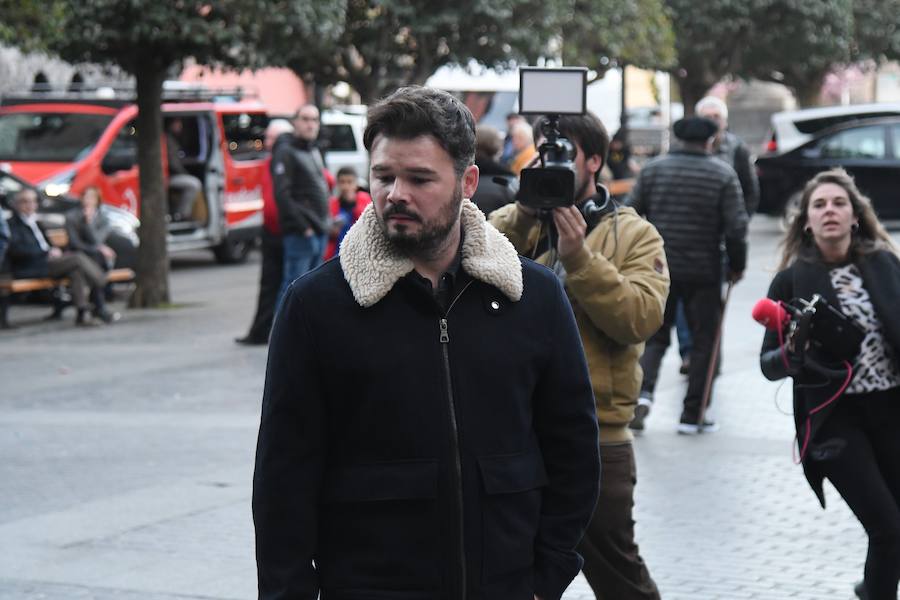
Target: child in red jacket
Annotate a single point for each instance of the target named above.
(346, 207)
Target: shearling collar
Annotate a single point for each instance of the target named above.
(371, 265)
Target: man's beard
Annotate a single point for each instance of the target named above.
(429, 240)
(582, 190)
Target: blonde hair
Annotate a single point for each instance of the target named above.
(869, 236)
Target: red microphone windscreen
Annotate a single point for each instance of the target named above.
(769, 313)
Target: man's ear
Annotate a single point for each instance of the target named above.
(594, 163)
(469, 181)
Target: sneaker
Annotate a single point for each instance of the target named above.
(641, 411)
(685, 366)
(860, 590)
(709, 426)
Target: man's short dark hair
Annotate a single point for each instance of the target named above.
(346, 171)
(413, 111)
(586, 130)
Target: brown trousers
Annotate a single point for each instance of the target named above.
(83, 272)
(613, 565)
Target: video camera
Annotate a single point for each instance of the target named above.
(812, 324)
(552, 92)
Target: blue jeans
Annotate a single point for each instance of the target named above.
(302, 253)
(685, 339)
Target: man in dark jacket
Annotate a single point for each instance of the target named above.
(301, 195)
(279, 132)
(694, 200)
(731, 149)
(497, 185)
(455, 454)
(31, 255)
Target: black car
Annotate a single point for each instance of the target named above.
(122, 235)
(868, 149)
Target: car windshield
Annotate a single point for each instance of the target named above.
(49, 137)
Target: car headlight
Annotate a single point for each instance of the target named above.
(60, 184)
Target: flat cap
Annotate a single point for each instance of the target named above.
(694, 129)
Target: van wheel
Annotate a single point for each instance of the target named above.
(791, 208)
(232, 251)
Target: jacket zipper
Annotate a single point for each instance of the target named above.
(454, 441)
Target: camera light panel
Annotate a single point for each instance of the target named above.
(559, 91)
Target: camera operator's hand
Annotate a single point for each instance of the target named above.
(572, 228)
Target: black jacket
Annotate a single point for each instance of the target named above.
(26, 257)
(418, 454)
(496, 186)
(734, 152)
(694, 200)
(880, 272)
(300, 189)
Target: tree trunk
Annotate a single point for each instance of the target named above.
(691, 92)
(809, 93)
(152, 282)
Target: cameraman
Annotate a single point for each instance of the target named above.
(614, 270)
(847, 431)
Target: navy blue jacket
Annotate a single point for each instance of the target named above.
(418, 454)
(26, 257)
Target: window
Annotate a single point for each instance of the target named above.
(861, 142)
(245, 134)
(337, 138)
(49, 137)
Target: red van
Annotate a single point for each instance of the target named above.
(63, 143)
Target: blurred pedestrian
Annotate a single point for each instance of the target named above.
(848, 427)
(346, 208)
(613, 266)
(730, 148)
(694, 200)
(496, 185)
(301, 194)
(621, 162)
(279, 132)
(508, 153)
(427, 421)
(523, 147)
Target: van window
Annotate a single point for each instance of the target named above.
(244, 134)
(49, 137)
(861, 142)
(337, 138)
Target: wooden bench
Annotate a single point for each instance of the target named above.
(18, 286)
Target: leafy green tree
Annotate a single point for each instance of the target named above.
(150, 40)
(390, 43)
(710, 39)
(603, 34)
(798, 43)
(876, 25)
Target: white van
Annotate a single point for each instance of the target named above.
(793, 128)
(341, 138)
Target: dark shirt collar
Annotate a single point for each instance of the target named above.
(448, 281)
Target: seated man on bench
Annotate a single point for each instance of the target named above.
(31, 256)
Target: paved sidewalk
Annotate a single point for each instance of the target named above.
(128, 458)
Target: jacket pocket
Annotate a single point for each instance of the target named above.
(511, 510)
(379, 527)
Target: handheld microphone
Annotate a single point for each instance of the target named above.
(770, 314)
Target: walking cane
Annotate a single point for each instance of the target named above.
(713, 359)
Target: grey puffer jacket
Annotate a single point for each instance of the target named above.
(694, 201)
